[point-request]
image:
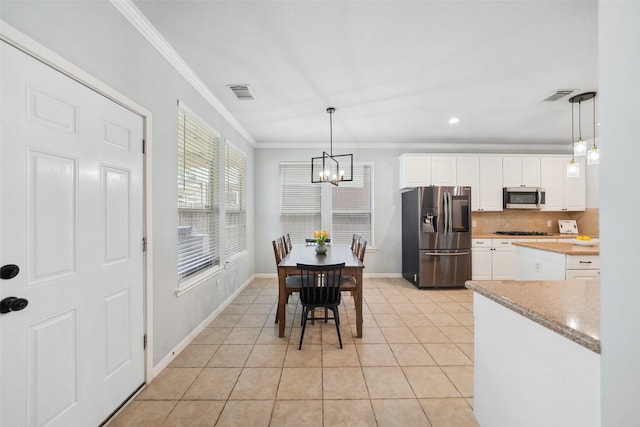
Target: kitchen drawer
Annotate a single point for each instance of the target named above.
(503, 243)
(481, 243)
(586, 262)
(583, 274)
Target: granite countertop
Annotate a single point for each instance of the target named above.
(562, 247)
(504, 236)
(568, 307)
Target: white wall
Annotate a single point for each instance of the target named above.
(619, 59)
(98, 39)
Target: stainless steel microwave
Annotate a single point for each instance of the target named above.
(523, 197)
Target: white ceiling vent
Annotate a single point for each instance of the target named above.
(243, 92)
(554, 96)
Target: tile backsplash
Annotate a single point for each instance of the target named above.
(489, 222)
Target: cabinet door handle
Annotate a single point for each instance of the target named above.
(585, 262)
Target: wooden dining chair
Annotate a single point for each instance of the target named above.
(354, 242)
(349, 281)
(291, 282)
(320, 288)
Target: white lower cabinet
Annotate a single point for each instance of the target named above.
(481, 255)
(502, 260)
(493, 259)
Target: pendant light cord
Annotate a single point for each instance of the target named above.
(580, 120)
(594, 121)
(330, 110)
(572, 134)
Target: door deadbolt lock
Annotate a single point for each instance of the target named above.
(9, 304)
(9, 271)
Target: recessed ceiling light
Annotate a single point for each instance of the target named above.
(454, 120)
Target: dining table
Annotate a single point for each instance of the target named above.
(306, 254)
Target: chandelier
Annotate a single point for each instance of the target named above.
(332, 168)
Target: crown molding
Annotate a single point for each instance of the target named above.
(441, 147)
(146, 28)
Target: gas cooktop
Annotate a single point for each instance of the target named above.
(522, 233)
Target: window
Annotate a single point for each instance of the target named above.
(198, 205)
(349, 206)
(299, 201)
(235, 226)
(352, 207)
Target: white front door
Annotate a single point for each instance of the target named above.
(71, 220)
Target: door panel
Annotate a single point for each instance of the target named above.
(71, 218)
(53, 342)
(52, 206)
(115, 200)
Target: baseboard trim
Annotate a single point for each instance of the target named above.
(166, 360)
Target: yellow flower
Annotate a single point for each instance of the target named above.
(321, 236)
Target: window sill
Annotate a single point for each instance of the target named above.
(236, 258)
(198, 280)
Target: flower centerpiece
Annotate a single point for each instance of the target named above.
(321, 238)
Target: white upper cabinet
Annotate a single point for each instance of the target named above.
(468, 174)
(574, 189)
(551, 179)
(490, 188)
(521, 171)
(562, 193)
(487, 175)
(443, 171)
(415, 170)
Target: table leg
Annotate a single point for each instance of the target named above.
(282, 302)
(358, 301)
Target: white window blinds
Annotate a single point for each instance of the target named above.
(235, 226)
(352, 206)
(198, 205)
(299, 202)
(302, 204)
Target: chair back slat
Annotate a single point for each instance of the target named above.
(320, 284)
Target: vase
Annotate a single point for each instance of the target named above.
(321, 248)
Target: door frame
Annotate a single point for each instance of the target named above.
(43, 54)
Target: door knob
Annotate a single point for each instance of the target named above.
(9, 304)
(9, 271)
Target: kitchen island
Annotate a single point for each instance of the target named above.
(556, 261)
(537, 353)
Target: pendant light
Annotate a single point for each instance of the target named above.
(593, 158)
(573, 168)
(579, 147)
(332, 168)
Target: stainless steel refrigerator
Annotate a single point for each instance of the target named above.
(436, 236)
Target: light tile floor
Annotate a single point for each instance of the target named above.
(412, 367)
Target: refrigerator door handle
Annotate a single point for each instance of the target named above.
(448, 217)
(447, 254)
(445, 213)
(450, 213)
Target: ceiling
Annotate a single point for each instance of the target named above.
(395, 71)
